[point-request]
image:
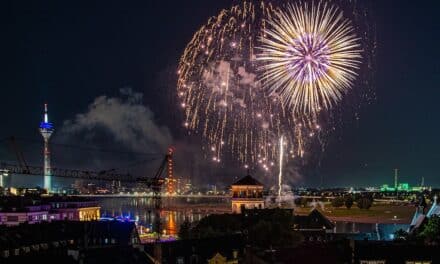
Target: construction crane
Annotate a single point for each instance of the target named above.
(154, 183)
(18, 154)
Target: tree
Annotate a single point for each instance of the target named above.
(431, 231)
(297, 201)
(348, 201)
(272, 233)
(216, 225)
(260, 234)
(300, 201)
(338, 202)
(303, 202)
(261, 228)
(401, 235)
(184, 231)
(365, 202)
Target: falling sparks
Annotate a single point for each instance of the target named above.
(221, 95)
(258, 72)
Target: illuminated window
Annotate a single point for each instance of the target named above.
(44, 217)
(418, 262)
(372, 261)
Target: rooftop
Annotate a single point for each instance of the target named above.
(247, 180)
(26, 203)
(26, 235)
(314, 220)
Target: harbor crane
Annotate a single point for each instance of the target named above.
(154, 183)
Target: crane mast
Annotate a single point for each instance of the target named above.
(154, 183)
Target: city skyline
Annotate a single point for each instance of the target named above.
(80, 60)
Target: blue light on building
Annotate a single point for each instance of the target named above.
(46, 125)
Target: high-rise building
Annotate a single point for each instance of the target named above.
(46, 130)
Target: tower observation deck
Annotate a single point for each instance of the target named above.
(46, 130)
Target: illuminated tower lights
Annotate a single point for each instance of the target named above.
(46, 130)
(170, 181)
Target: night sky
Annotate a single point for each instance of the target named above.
(68, 53)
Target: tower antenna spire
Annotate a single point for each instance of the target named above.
(46, 117)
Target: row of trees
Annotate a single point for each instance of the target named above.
(261, 228)
(362, 202)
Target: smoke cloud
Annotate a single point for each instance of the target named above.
(126, 120)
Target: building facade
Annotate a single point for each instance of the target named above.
(79, 211)
(57, 210)
(247, 193)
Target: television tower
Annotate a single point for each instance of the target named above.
(396, 178)
(46, 130)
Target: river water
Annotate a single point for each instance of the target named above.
(175, 209)
(178, 209)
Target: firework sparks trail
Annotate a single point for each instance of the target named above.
(221, 95)
(310, 54)
(253, 74)
(280, 174)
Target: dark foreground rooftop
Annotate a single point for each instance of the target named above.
(67, 241)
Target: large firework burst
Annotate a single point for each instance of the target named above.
(310, 55)
(222, 97)
(257, 72)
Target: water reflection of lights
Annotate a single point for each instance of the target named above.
(171, 226)
(176, 211)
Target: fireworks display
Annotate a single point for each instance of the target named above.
(257, 72)
(280, 169)
(311, 55)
